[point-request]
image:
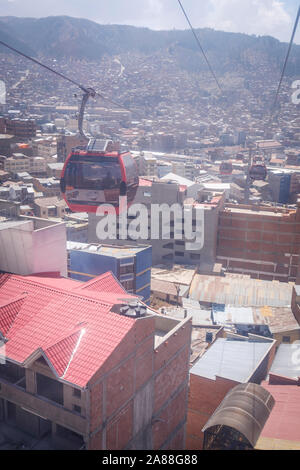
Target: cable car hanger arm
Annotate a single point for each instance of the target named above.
(87, 93)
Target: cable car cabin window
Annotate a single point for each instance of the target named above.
(70, 174)
(94, 175)
(104, 175)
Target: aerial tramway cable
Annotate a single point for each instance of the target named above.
(199, 45)
(285, 61)
(86, 90)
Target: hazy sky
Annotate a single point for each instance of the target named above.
(261, 17)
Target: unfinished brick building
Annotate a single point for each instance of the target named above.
(84, 369)
(261, 241)
(228, 362)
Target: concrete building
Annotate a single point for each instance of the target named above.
(17, 163)
(280, 185)
(87, 370)
(54, 169)
(23, 128)
(31, 245)
(48, 187)
(170, 250)
(163, 168)
(38, 166)
(65, 143)
(178, 168)
(131, 265)
(148, 165)
(47, 207)
(5, 144)
(45, 147)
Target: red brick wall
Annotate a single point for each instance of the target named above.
(256, 238)
(134, 364)
(205, 395)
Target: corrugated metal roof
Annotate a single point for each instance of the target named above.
(240, 290)
(116, 251)
(286, 361)
(231, 359)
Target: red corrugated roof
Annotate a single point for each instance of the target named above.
(8, 313)
(106, 282)
(283, 422)
(73, 328)
(61, 352)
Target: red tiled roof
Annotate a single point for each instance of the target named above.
(8, 313)
(104, 283)
(61, 352)
(73, 328)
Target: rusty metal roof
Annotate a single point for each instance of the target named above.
(240, 290)
(246, 409)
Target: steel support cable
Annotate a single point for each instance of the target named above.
(199, 45)
(285, 61)
(86, 90)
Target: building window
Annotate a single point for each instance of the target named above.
(76, 393)
(49, 388)
(128, 285)
(126, 269)
(77, 409)
(286, 339)
(179, 253)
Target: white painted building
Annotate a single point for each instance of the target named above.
(30, 245)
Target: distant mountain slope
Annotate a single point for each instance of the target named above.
(63, 36)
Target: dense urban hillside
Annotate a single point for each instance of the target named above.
(64, 36)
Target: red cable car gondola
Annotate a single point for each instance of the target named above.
(98, 174)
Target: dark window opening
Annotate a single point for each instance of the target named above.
(93, 175)
(195, 256)
(49, 388)
(76, 393)
(42, 361)
(126, 269)
(77, 409)
(13, 373)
